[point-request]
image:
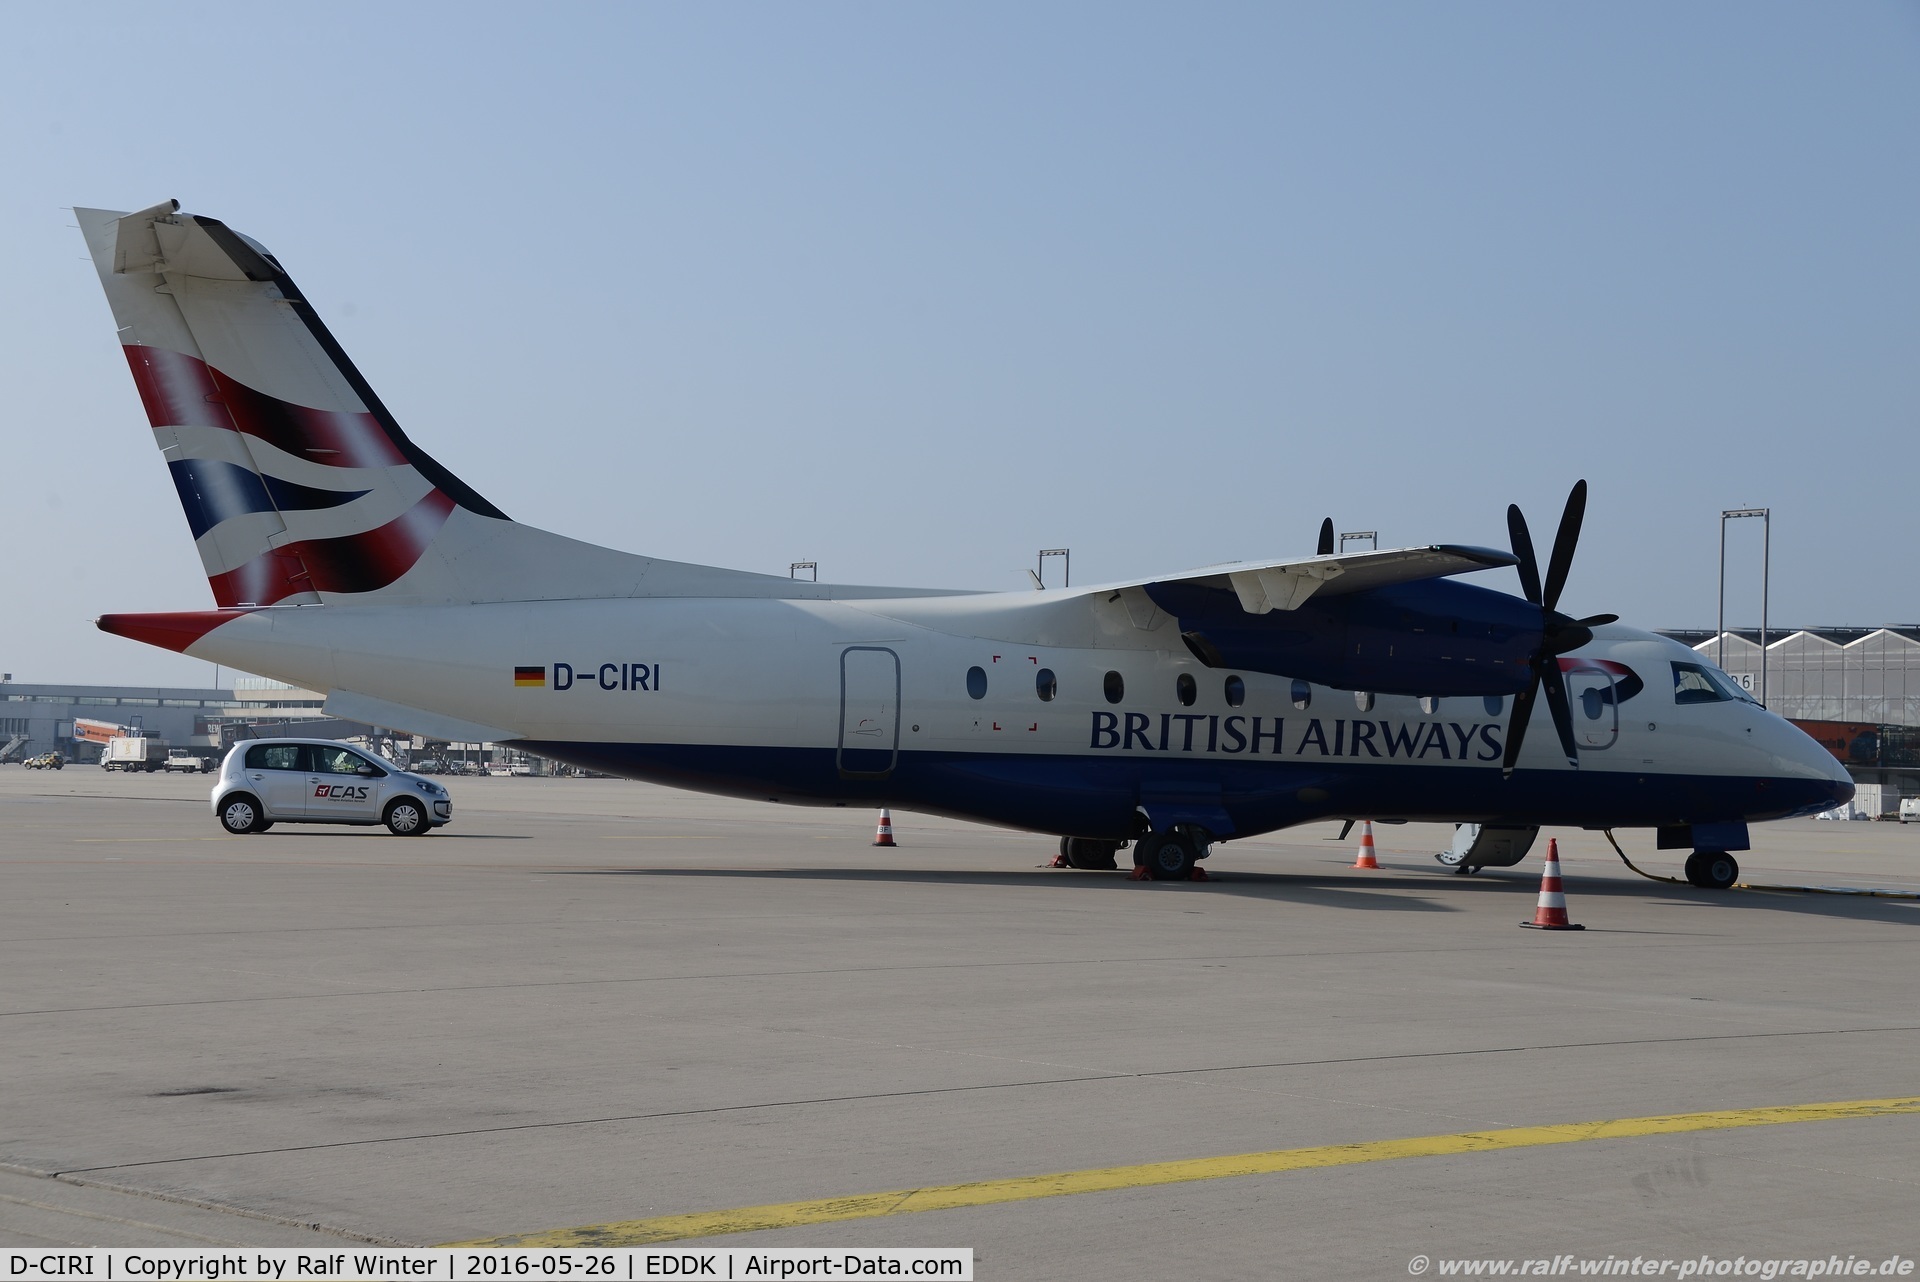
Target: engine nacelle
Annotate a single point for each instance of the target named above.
(1430, 638)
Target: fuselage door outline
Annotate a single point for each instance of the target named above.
(869, 743)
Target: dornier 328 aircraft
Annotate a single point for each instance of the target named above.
(1169, 713)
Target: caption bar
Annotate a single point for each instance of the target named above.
(458, 1264)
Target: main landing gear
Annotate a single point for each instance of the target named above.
(1712, 869)
(1088, 854)
(1160, 856)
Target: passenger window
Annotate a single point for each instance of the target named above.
(1046, 685)
(1493, 703)
(274, 756)
(976, 682)
(1302, 694)
(1236, 692)
(1115, 687)
(1694, 684)
(1185, 690)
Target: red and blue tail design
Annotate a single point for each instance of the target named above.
(297, 484)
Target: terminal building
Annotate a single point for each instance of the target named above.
(36, 719)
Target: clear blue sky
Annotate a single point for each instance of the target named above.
(913, 290)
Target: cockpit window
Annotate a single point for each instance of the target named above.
(1697, 683)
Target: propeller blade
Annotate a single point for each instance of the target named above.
(1562, 710)
(1595, 620)
(1563, 544)
(1517, 725)
(1529, 568)
(1326, 537)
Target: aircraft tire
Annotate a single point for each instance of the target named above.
(240, 815)
(1166, 857)
(1712, 869)
(406, 817)
(1090, 855)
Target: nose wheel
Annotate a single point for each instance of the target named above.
(1712, 869)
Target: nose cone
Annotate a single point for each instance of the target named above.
(1812, 778)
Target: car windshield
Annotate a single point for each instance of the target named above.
(1699, 683)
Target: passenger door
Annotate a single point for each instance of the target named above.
(338, 791)
(869, 712)
(278, 773)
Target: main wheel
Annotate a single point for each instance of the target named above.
(240, 815)
(1166, 857)
(1712, 869)
(406, 818)
(1089, 855)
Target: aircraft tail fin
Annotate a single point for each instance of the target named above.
(296, 481)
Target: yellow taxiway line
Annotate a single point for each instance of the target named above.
(861, 1206)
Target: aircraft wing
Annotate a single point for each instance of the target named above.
(1265, 586)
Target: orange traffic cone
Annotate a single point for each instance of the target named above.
(884, 836)
(1366, 859)
(1551, 914)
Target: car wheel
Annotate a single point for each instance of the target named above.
(406, 818)
(240, 815)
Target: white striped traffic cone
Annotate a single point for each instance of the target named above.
(1366, 859)
(1551, 914)
(884, 836)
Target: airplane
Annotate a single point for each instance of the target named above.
(1168, 714)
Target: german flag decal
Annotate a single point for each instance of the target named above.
(530, 676)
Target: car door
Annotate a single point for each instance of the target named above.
(277, 772)
(344, 786)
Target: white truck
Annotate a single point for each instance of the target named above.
(133, 752)
(186, 762)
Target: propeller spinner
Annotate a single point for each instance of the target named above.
(1560, 634)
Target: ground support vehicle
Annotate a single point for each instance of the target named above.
(267, 781)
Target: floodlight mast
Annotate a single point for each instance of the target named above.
(812, 568)
(1766, 574)
(1372, 536)
(1066, 562)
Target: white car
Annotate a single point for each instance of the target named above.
(318, 781)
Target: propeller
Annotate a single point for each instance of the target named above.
(1559, 634)
(1326, 537)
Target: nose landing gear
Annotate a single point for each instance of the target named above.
(1712, 869)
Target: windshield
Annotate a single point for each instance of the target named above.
(1700, 683)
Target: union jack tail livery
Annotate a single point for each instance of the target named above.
(298, 485)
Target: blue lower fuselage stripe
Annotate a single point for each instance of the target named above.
(1099, 797)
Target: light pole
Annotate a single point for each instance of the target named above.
(1066, 566)
(1372, 536)
(812, 567)
(1766, 567)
